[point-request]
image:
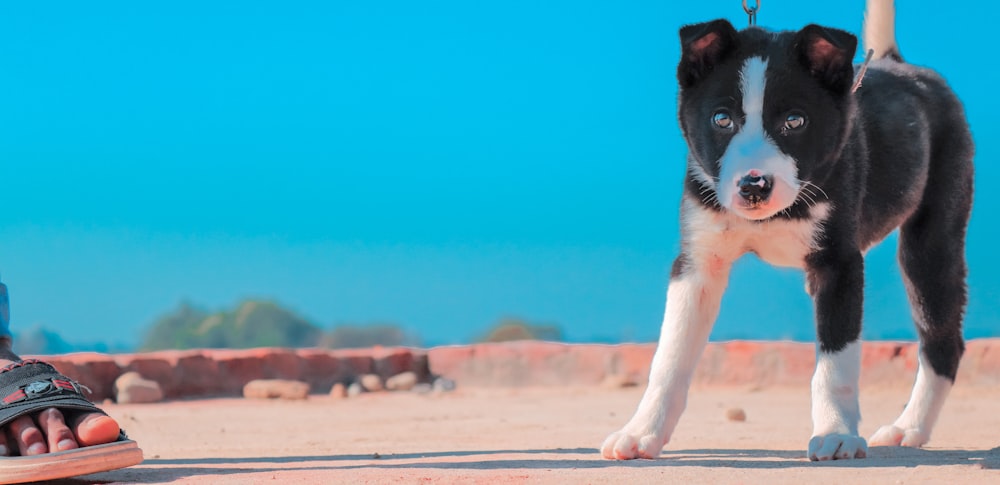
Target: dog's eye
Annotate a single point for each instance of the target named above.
(794, 122)
(722, 120)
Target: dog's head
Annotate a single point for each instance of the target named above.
(763, 112)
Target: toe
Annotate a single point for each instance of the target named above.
(649, 446)
(837, 447)
(27, 437)
(914, 438)
(887, 436)
(620, 446)
(95, 429)
(829, 449)
(58, 436)
(627, 446)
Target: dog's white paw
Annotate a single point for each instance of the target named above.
(890, 435)
(837, 447)
(624, 445)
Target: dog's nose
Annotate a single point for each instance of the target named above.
(754, 187)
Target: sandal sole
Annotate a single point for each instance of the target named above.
(71, 463)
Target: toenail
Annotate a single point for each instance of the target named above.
(66, 444)
(3, 450)
(36, 449)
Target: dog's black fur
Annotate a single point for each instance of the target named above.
(897, 153)
(787, 159)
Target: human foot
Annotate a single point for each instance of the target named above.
(49, 430)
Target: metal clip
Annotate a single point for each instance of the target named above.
(752, 11)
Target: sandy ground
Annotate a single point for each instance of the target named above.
(536, 435)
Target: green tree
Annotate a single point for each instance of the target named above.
(175, 330)
(263, 324)
(253, 323)
(510, 329)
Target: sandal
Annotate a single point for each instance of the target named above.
(30, 386)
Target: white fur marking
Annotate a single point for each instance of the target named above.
(701, 176)
(914, 425)
(753, 149)
(692, 306)
(779, 242)
(752, 85)
(835, 408)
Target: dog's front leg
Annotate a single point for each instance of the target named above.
(693, 297)
(836, 282)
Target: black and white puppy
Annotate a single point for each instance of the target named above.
(788, 162)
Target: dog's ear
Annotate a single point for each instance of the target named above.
(702, 47)
(828, 55)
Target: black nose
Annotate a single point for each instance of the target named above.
(755, 188)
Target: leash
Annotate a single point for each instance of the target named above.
(861, 73)
(752, 21)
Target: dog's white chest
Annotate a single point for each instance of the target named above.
(720, 235)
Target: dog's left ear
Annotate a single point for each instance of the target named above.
(828, 55)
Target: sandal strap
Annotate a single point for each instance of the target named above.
(33, 385)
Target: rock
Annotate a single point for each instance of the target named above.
(444, 384)
(132, 388)
(275, 388)
(618, 381)
(371, 382)
(736, 414)
(401, 382)
(354, 389)
(338, 391)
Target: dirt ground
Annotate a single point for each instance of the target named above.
(536, 435)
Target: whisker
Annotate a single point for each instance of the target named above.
(817, 187)
(809, 198)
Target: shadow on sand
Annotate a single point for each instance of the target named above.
(160, 470)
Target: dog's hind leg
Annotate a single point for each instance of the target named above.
(932, 257)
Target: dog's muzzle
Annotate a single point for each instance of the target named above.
(755, 188)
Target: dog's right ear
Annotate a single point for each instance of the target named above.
(702, 47)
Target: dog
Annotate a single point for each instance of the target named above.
(790, 160)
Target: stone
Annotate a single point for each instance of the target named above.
(338, 391)
(736, 414)
(618, 381)
(371, 382)
(132, 388)
(403, 381)
(276, 389)
(355, 389)
(153, 367)
(444, 384)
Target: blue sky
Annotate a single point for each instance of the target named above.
(433, 164)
